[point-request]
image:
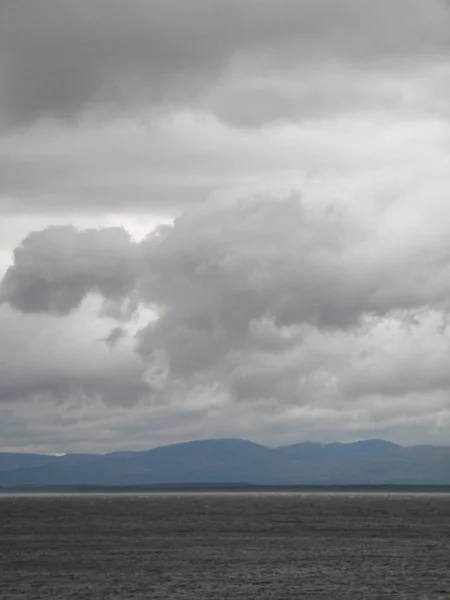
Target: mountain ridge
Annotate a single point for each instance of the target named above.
(236, 461)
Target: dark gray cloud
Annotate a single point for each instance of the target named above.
(54, 269)
(237, 289)
(302, 148)
(114, 389)
(226, 265)
(60, 58)
(114, 336)
(217, 267)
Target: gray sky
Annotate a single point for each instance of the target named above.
(223, 218)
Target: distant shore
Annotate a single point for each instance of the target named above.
(194, 488)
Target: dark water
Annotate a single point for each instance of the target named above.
(224, 546)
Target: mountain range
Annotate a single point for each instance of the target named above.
(236, 461)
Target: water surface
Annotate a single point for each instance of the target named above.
(225, 546)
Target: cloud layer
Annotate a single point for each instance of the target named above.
(61, 58)
(281, 304)
(223, 218)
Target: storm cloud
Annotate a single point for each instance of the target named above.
(223, 218)
(53, 270)
(61, 58)
(263, 300)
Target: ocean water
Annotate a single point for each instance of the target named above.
(225, 546)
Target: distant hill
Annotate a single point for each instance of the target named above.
(235, 461)
(319, 453)
(17, 460)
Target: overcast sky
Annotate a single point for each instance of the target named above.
(223, 218)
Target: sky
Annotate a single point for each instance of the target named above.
(223, 218)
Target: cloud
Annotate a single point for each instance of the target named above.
(42, 357)
(114, 336)
(296, 155)
(246, 98)
(63, 58)
(54, 269)
(217, 267)
(275, 302)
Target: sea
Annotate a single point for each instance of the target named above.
(208, 546)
